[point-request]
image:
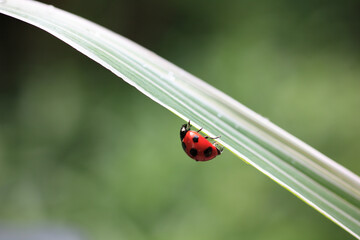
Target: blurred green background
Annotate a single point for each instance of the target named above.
(81, 148)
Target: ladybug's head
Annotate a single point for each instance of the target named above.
(184, 129)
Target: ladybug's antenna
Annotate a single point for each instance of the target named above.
(188, 125)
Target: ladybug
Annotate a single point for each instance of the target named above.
(196, 146)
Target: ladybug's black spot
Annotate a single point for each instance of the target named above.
(183, 145)
(196, 138)
(193, 152)
(208, 152)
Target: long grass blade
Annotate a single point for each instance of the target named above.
(319, 181)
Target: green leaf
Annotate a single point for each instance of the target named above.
(320, 182)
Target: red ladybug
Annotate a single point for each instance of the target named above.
(197, 146)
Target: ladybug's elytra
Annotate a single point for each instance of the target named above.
(197, 146)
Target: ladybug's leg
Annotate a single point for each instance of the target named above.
(219, 148)
(199, 129)
(212, 137)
